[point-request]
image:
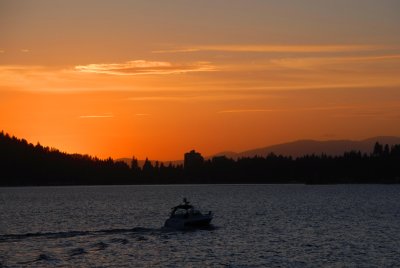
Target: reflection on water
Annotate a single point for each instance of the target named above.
(254, 225)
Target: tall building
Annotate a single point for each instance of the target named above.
(193, 161)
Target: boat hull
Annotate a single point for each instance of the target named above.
(180, 223)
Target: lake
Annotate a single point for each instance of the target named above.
(254, 226)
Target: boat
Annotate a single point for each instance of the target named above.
(186, 216)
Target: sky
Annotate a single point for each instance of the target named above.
(158, 78)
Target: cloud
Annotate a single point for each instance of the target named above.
(2, 51)
(247, 111)
(386, 110)
(275, 48)
(156, 98)
(24, 50)
(312, 62)
(143, 67)
(324, 108)
(96, 116)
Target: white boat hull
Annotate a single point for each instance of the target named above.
(182, 222)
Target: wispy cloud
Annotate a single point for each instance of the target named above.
(96, 116)
(311, 62)
(274, 48)
(151, 98)
(323, 108)
(143, 67)
(246, 111)
(24, 50)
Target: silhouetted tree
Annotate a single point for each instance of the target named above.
(386, 150)
(378, 149)
(22, 163)
(135, 165)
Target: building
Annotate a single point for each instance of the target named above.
(193, 161)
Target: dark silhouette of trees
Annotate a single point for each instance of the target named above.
(27, 164)
(378, 149)
(134, 164)
(22, 163)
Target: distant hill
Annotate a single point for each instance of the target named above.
(297, 149)
(23, 164)
(308, 147)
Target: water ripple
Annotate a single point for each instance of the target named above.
(260, 226)
(14, 237)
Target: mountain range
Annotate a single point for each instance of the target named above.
(302, 147)
(307, 147)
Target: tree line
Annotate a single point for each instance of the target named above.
(25, 164)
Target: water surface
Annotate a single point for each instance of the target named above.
(254, 226)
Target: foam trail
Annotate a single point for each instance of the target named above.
(8, 237)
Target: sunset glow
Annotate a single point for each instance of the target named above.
(159, 78)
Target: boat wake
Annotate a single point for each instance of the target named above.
(56, 235)
(69, 234)
(75, 246)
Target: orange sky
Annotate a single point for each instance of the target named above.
(158, 78)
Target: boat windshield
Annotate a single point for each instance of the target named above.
(180, 211)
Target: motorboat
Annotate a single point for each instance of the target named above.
(186, 216)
